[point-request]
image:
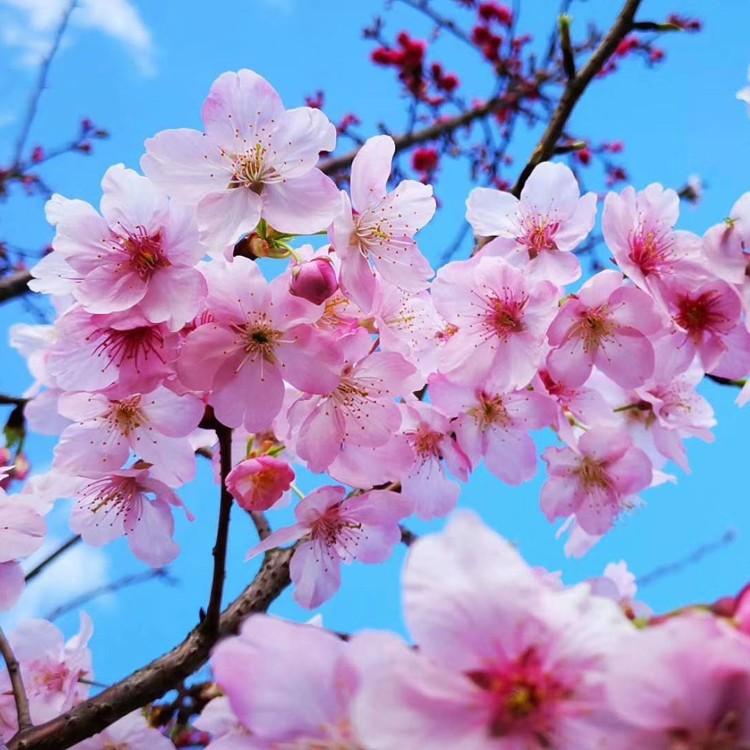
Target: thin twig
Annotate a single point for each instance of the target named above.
(14, 285)
(575, 88)
(211, 620)
(261, 523)
(41, 82)
(16, 681)
(109, 588)
(64, 547)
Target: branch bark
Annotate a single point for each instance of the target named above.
(16, 681)
(162, 674)
(574, 89)
(14, 285)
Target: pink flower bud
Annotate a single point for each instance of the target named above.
(314, 280)
(257, 483)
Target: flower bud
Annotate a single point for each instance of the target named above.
(315, 280)
(257, 483)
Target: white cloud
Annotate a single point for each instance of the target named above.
(27, 26)
(79, 570)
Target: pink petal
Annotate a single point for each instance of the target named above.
(301, 205)
(370, 171)
(316, 574)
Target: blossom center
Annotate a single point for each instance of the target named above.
(251, 170)
(260, 338)
(699, 314)
(336, 530)
(426, 442)
(144, 251)
(50, 678)
(649, 250)
(539, 235)
(726, 735)
(135, 345)
(490, 411)
(109, 493)
(593, 328)
(126, 415)
(505, 316)
(592, 474)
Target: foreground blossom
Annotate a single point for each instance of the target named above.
(607, 324)
(140, 253)
(683, 684)
(501, 319)
(132, 732)
(504, 660)
(595, 481)
(382, 226)
(255, 160)
(363, 527)
(540, 230)
(301, 690)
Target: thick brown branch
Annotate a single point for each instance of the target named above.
(575, 88)
(161, 675)
(16, 681)
(14, 285)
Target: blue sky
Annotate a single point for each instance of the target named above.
(149, 66)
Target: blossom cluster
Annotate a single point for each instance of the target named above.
(185, 297)
(192, 305)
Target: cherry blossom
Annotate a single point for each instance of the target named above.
(639, 230)
(51, 669)
(501, 317)
(607, 324)
(503, 657)
(153, 425)
(258, 483)
(255, 160)
(314, 280)
(118, 503)
(362, 527)
(132, 732)
(683, 683)
(596, 480)
(140, 253)
(495, 426)
(381, 227)
(257, 336)
(540, 230)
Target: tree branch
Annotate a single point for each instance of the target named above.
(211, 621)
(161, 675)
(41, 82)
(14, 285)
(575, 88)
(16, 681)
(64, 547)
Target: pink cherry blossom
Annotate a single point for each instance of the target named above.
(51, 670)
(258, 483)
(362, 527)
(501, 318)
(705, 313)
(495, 426)
(358, 410)
(258, 336)
(255, 160)
(382, 226)
(539, 231)
(726, 244)
(132, 732)
(140, 253)
(22, 530)
(130, 503)
(638, 229)
(503, 660)
(684, 683)
(606, 324)
(428, 439)
(314, 280)
(596, 480)
(154, 426)
(302, 689)
(227, 732)
(120, 352)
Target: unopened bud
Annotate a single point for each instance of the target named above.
(315, 280)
